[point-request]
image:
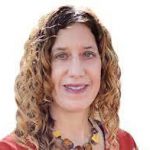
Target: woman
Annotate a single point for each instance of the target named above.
(68, 88)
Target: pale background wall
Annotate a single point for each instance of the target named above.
(129, 25)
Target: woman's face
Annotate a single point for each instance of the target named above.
(76, 68)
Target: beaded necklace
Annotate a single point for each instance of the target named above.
(67, 144)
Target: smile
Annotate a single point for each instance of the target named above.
(76, 89)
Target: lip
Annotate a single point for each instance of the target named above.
(75, 85)
(75, 91)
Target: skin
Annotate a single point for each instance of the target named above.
(75, 59)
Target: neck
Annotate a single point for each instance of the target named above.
(72, 124)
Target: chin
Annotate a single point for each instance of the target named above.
(76, 108)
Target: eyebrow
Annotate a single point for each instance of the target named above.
(88, 47)
(65, 48)
(59, 49)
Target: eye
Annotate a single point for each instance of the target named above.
(61, 56)
(89, 54)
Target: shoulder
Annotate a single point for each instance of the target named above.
(8, 143)
(126, 141)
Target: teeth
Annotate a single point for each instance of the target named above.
(76, 88)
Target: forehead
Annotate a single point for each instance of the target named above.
(75, 35)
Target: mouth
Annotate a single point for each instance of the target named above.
(76, 88)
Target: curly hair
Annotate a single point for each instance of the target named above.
(33, 85)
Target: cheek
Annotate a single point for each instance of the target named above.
(96, 81)
(94, 69)
(55, 75)
(58, 71)
(96, 75)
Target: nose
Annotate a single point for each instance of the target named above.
(76, 68)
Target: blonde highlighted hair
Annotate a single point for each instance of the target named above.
(33, 85)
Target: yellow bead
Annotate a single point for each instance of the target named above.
(56, 133)
(96, 138)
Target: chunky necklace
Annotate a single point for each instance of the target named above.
(69, 145)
